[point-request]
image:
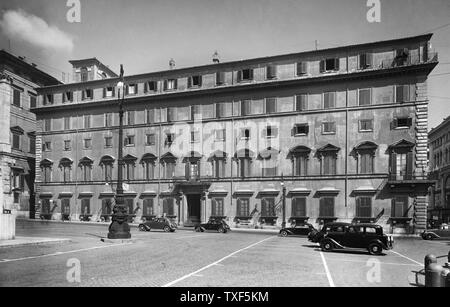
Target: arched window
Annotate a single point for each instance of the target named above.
(328, 158)
(107, 162)
(218, 160)
(46, 168)
(66, 167)
(365, 153)
(148, 163)
(269, 158)
(243, 160)
(299, 157)
(86, 168)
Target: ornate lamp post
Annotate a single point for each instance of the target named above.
(119, 228)
(283, 223)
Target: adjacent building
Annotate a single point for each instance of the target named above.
(18, 82)
(339, 134)
(439, 140)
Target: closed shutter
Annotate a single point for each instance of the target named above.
(239, 76)
(189, 82)
(336, 64)
(165, 85)
(175, 84)
(250, 74)
(322, 66)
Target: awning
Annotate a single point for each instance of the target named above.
(65, 195)
(300, 191)
(106, 194)
(328, 191)
(85, 194)
(243, 193)
(46, 195)
(268, 192)
(365, 190)
(148, 194)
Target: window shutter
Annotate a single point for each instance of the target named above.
(146, 89)
(322, 66)
(114, 91)
(165, 85)
(336, 64)
(251, 74)
(362, 61)
(393, 163)
(410, 122)
(307, 129)
(239, 76)
(189, 82)
(406, 92)
(175, 84)
(369, 59)
(409, 165)
(200, 81)
(104, 92)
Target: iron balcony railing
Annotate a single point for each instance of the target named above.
(408, 60)
(404, 176)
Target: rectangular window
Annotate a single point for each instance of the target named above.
(194, 81)
(329, 100)
(67, 97)
(150, 116)
(269, 168)
(302, 68)
(217, 207)
(32, 145)
(109, 92)
(301, 102)
(329, 128)
(132, 89)
(245, 134)
(366, 125)
(46, 146)
(195, 136)
(205, 111)
(179, 114)
(147, 207)
(299, 207)
(32, 101)
(16, 141)
(87, 94)
(402, 123)
(168, 206)
(87, 121)
(366, 163)
(67, 123)
(150, 139)
(399, 206)
(67, 145)
(129, 140)
(236, 108)
(268, 207)
(87, 143)
(85, 206)
(169, 170)
(301, 129)
(271, 132)
(329, 164)
(108, 141)
(129, 204)
(220, 135)
(326, 207)
(130, 118)
(170, 84)
(246, 107)
(219, 168)
(108, 119)
(17, 97)
(224, 109)
(170, 138)
(245, 168)
(329, 65)
(365, 97)
(271, 105)
(245, 75)
(48, 99)
(365, 60)
(403, 93)
(47, 124)
(220, 78)
(151, 86)
(243, 207)
(300, 165)
(271, 72)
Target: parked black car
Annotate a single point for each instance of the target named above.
(162, 223)
(353, 236)
(214, 224)
(442, 232)
(297, 230)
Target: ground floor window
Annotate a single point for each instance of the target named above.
(299, 207)
(85, 206)
(243, 207)
(45, 206)
(168, 206)
(326, 207)
(268, 207)
(106, 206)
(147, 207)
(364, 207)
(129, 204)
(399, 206)
(65, 206)
(217, 207)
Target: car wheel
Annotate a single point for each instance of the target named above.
(284, 233)
(326, 245)
(221, 230)
(375, 249)
(429, 236)
(142, 228)
(166, 228)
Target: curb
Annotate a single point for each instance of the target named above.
(12, 243)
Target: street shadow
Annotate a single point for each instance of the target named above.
(94, 235)
(310, 246)
(417, 282)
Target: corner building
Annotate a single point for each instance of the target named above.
(343, 130)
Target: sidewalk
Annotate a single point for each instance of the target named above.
(22, 241)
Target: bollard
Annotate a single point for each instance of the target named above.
(444, 273)
(433, 275)
(430, 258)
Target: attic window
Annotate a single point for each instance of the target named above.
(109, 91)
(331, 64)
(402, 123)
(245, 75)
(195, 81)
(87, 94)
(68, 97)
(151, 86)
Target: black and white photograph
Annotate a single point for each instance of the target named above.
(224, 149)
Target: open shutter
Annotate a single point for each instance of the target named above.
(369, 59)
(399, 93)
(394, 123)
(405, 90)
(410, 121)
(189, 82)
(239, 76)
(114, 91)
(336, 64)
(307, 129)
(200, 81)
(146, 87)
(409, 165)
(175, 84)
(322, 66)
(251, 74)
(165, 85)
(393, 162)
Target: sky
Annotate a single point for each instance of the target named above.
(144, 34)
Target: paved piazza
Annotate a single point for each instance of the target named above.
(190, 259)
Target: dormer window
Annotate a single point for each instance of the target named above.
(195, 81)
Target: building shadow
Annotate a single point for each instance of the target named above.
(417, 275)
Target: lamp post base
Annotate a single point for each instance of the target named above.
(119, 228)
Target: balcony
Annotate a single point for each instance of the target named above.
(401, 61)
(411, 183)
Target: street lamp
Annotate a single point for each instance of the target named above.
(119, 228)
(283, 223)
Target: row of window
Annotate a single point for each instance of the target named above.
(18, 98)
(268, 209)
(441, 158)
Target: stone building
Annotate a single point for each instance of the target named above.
(439, 140)
(18, 83)
(339, 134)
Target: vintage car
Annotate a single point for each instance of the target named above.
(213, 224)
(297, 230)
(162, 223)
(443, 232)
(353, 236)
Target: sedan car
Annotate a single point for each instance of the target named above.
(161, 223)
(297, 230)
(354, 236)
(443, 232)
(216, 225)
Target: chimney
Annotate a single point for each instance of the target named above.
(172, 63)
(216, 59)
